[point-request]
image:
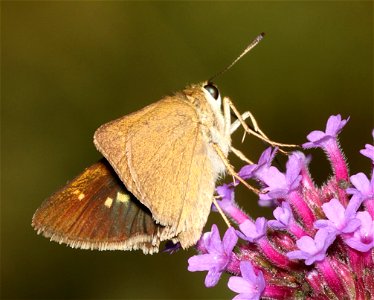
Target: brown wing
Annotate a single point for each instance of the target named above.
(161, 156)
(95, 211)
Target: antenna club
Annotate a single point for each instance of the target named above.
(246, 50)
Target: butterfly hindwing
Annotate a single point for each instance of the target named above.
(96, 211)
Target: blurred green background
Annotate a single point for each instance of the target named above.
(67, 67)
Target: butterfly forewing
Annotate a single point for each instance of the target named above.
(96, 211)
(161, 156)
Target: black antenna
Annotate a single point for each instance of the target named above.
(246, 50)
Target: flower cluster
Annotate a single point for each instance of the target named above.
(320, 244)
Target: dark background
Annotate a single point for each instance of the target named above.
(68, 67)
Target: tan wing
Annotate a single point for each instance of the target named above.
(161, 156)
(95, 211)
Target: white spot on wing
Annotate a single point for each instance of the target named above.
(108, 202)
(123, 198)
(81, 196)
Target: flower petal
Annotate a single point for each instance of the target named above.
(202, 262)
(212, 277)
(239, 285)
(324, 239)
(358, 245)
(335, 124)
(297, 254)
(214, 244)
(361, 182)
(307, 244)
(250, 286)
(368, 151)
(229, 240)
(248, 228)
(247, 271)
(226, 191)
(293, 169)
(351, 225)
(246, 172)
(334, 211)
(315, 135)
(312, 259)
(323, 224)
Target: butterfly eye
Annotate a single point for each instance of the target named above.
(213, 91)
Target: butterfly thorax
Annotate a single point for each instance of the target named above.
(212, 120)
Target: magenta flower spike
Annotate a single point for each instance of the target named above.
(320, 244)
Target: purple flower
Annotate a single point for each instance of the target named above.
(369, 150)
(249, 286)
(319, 138)
(313, 249)
(227, 194)
(363, 238)
(340, 220)
(253, 231)
(363, 188)
(283, 216)
(275, 182)
(217, 257)
(293, 169)
(279, 185)
(332, 261)
(265, 160)
(246, 172)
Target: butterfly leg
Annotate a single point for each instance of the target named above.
(230, 128)
(256, 131)
(231, 169)
(227, 117)
(236, 124)
(221, 212)
(240, 154)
